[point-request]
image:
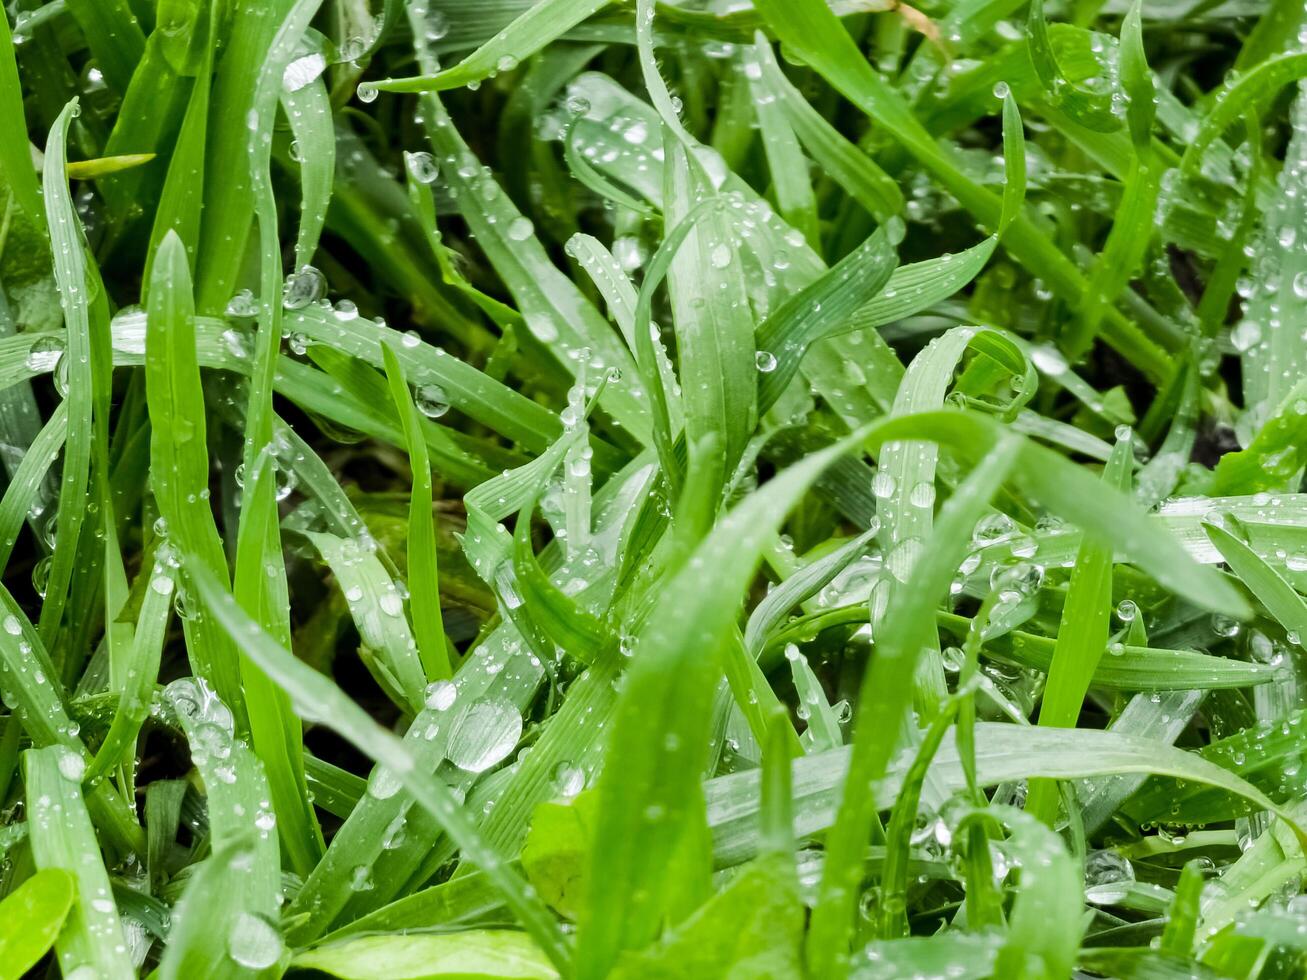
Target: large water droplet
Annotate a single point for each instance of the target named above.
(484, 734)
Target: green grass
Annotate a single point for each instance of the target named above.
(653, 489)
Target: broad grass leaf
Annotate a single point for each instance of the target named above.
(33, 915)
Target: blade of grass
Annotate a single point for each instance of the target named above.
(1081, 634)
(62, 837)
(424, 581)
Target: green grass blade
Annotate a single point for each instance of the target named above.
(179, 465)
(84, 337)
(62, 837)
(424, 580)
(33, 915)
(1081, 635)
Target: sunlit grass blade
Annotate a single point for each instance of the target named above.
(33, 915)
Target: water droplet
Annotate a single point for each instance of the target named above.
(304, 286)
(440, 695)
(568, 779)
(367, 92)
(765, 361)
(1108, 877)
(431, 401)
(71, 765)
(484, 734)
(422, 166)
(45, 352)
(520, 228)
(1245, 336)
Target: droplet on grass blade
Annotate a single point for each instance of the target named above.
(484, 734)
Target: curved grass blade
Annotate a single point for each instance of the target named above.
(87, 348)
(538, 25)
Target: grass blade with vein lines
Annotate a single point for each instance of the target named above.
(61, 836)
(314, 132)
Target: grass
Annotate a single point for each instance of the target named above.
(650, 489)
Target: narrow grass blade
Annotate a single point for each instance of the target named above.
(424, 581)
(650, 801)
(884, 698)
(1081, 635)
(537, 26)
(87, 348)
